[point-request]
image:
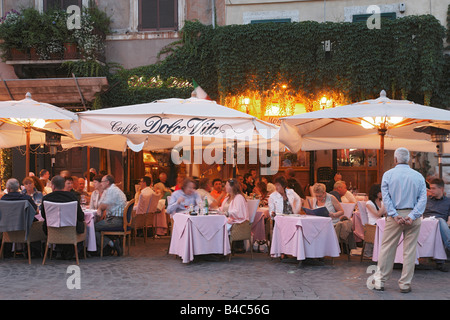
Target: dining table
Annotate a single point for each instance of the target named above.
(304, 236)
(429, 243)
(199, 234)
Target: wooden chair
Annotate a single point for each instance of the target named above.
(150, 215)
(348, 209)
(36, 233)
(59, 232)
(124, 231)
(241, 231)
(369, 237)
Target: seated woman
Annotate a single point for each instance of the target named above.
(183, 198)
(261, 191)
(31, 190)
(284, 200)
(324, 199)
(162, 189)
(234, 205)
(375, 206)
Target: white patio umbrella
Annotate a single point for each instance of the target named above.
(20, 118)
(380, 123)
(160, 124)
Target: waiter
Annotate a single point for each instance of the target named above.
(405, 197)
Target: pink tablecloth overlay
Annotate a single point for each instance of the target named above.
(89, 214)
(194, 235)
(358, 228)
(258, 225)
(429, 243)
(161, 218)
(304, 237)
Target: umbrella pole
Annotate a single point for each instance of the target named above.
(382, 133)
(27, 154)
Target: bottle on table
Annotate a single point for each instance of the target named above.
(206, 207)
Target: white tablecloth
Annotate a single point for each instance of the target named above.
(304, 237)
(194, 235)
(429, 243)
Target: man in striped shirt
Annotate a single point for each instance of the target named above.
(110, 209)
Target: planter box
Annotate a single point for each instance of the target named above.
(70, 51)
(19, 54)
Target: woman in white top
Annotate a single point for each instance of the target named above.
(375, 206)
(284, 200)
(324, 199)
(234, 205)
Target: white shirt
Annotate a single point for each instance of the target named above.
(115, 199)
(348, 197)
(372, 219)
(276, 202)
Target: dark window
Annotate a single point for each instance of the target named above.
(271, 20)
(364, 17)
(61, 4)
(158, 15)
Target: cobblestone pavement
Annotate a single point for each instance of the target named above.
(149, 273)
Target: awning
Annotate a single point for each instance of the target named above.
(57, 91)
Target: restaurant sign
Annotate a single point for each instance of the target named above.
(228, 128)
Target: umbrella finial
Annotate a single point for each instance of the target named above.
(383, 94)
(28, 95)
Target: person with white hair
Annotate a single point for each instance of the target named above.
(405, 197)
(13, 193)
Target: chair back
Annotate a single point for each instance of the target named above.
(128, 215)
(369, 233)
(143, 203)
(252, 207)
(240, 231)
(348, 209)
(154, 199)
(61, 214)
(363, 212)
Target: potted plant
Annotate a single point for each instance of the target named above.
(12, 26)
(34, 36)
(95, 25)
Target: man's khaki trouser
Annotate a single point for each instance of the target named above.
(386, 256)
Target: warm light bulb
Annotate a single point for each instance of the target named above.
(395, 120)
(38, 123)
(367, 123)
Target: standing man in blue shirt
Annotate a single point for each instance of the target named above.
(405, 197)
